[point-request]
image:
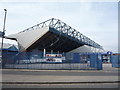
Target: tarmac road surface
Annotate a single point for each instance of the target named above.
(21, 78)
(87, 85)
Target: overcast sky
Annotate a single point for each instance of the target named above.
(96, 20)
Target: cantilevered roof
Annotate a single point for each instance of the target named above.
(52, 34)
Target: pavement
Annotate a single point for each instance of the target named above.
(108, 75)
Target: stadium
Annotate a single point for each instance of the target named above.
(55, 43)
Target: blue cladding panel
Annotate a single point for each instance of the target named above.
(99, 62)
(8, 57)
(92, 60)
(110, 59)
(115, 60)
(76, 58)
(96, 61)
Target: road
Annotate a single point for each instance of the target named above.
(21, 78)
(95, 85)
(61, 73)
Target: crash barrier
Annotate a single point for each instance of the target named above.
(115, 59)
(52, 61)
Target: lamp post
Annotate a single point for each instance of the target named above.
(3, 36)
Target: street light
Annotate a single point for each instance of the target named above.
(3, 35)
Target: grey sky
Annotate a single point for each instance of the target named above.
(97, 20)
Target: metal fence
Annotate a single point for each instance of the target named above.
(52, 61)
